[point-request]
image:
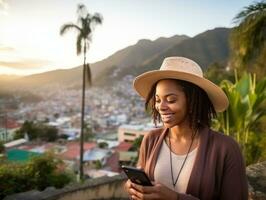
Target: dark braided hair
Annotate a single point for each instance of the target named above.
(200, 109)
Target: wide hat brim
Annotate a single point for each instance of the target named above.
(144, 82)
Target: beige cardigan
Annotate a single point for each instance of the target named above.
(218, 171)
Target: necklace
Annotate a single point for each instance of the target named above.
(174, 181)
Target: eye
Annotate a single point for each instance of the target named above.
(171, 100)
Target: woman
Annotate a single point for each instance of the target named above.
(185, 159)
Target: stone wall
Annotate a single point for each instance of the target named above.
(106, 188)
(103, 188)
(257, 181)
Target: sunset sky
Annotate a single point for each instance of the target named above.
(29, 29)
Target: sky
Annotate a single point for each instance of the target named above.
(29, 29)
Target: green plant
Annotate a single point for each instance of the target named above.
(248, 39)
(244, 113)
(103, 145)
(136, 143)
(217, 72)
(37, 130)
(98, 164)
(39, 173)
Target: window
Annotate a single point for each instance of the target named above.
(130, 134)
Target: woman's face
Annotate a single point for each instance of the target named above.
(170, 102)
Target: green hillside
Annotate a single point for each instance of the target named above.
(205, 48)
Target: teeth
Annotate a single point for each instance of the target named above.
(166, 116)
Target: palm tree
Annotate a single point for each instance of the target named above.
(248, 39)
(84, 27)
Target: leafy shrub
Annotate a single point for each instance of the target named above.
(39, 173)
(243, 117)
(37, 130)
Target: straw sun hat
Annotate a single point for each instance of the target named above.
(183, 69)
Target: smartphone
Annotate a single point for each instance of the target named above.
(136, 175)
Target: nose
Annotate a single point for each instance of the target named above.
(162, 106)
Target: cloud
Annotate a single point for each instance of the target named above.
(25, 63)
(11, 58)
(6, 48)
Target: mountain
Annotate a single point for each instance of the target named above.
(135, 54)
(5, 77)
(129, 56)
(205, 48)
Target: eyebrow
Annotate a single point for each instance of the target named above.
(170, 94)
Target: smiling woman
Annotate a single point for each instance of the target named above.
(185, 158)
(170, 103)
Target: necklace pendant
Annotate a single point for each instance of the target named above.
(174, 181)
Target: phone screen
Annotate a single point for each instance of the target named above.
(137, 176)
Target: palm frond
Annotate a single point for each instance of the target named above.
(97, 18)
(79, 44)
(81, 7)
(250, 12)
(248, 38)
(66, 27)
(82, 10)
(86, 23)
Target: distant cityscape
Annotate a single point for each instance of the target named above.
(115, 114)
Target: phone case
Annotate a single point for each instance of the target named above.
(137, 176)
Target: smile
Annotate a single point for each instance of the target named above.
(166, 116)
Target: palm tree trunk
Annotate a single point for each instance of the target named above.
(82, 118)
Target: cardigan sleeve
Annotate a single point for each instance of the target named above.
(187, 197)
(142, 153)
(234, 181)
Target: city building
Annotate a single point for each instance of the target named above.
(128, 133)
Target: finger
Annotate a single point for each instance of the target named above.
(143, 189)
(132, 191)
(127, 185)
(133, 197)
(136, 194)
(140, 196)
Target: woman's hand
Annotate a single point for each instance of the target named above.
(158, 191)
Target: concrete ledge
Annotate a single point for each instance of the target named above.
(111, 188)
(100, 188)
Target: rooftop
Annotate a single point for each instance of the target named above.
(73, 150)
(123, 146)
(15, 143)
(19, 155)
(96, 154)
